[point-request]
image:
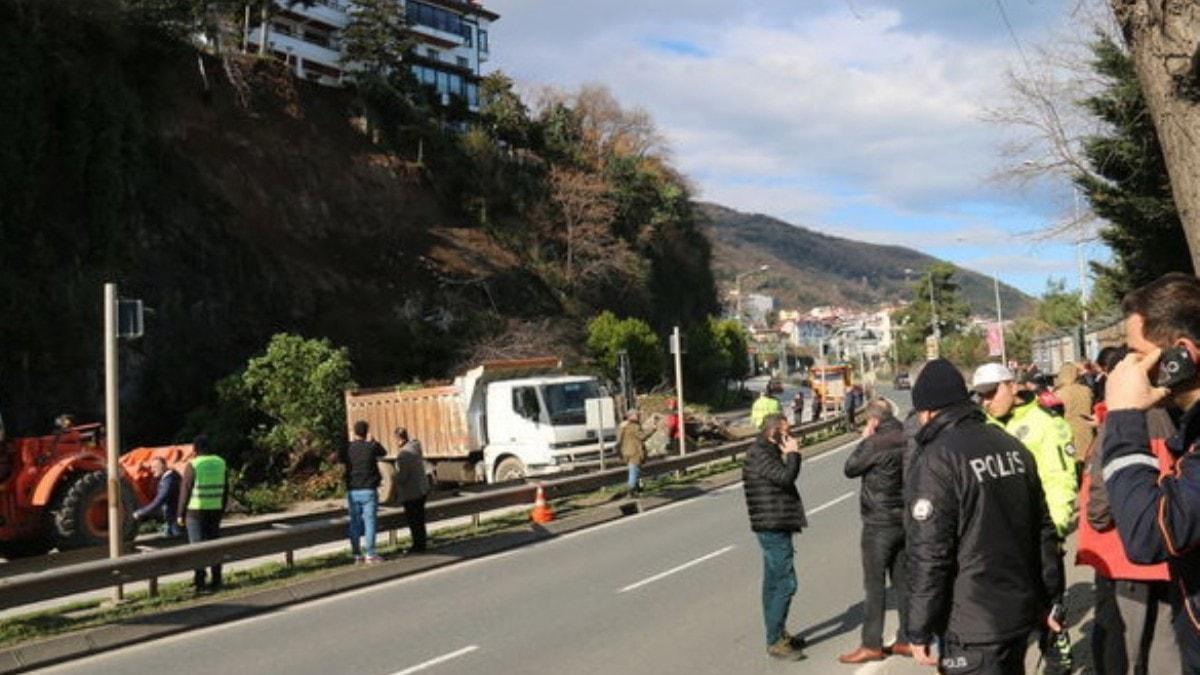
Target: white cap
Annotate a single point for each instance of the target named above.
(989, 375)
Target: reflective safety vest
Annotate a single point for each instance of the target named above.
(209, 489)
(1049, 439)
(1104, 550)
(765, 405)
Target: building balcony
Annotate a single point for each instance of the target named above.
(297, 48)
(330, 13)
(441, 38)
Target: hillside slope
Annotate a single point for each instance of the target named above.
(811, 269)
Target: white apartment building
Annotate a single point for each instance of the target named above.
(451, 36)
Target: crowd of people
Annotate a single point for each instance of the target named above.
(968, 503)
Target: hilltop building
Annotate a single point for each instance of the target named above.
(451, 42)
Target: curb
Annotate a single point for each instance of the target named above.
(226, 608)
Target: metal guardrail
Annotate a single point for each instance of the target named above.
(24, 589)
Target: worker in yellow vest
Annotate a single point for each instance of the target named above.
(202, 497)
(766, 404)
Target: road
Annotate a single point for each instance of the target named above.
(675, 590)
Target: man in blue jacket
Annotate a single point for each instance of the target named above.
(166, 499)
(1158, 518)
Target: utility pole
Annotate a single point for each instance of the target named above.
(1000, 322)
(933, 315)
(677, 349)
(1083, 351)
(112, 429)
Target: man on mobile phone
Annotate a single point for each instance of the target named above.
(776, 515)
(1158, 516)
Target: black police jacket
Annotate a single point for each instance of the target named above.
(983, 556)
(769, 480)
(879, 460)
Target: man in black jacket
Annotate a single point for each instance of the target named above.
(879, 461)
(983, 558)
(166, 498)
(776, 514)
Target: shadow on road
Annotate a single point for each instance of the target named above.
(839, 625)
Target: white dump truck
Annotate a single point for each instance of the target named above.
(502, 420)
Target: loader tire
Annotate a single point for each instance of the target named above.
(81, 516)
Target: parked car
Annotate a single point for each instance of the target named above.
(902, 381)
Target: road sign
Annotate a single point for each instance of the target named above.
(932, 348)
(130, 319)
(675, 341)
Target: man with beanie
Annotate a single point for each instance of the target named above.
(983, 553)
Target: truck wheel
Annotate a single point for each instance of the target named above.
(81, 517)
(510, 468)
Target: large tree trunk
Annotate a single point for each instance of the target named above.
(1164, 38)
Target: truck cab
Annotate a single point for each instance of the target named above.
(538, 425)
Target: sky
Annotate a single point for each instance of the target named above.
(858, 118)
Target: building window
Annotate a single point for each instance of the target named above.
(464, 62)
(468, 41)
(316, 38)
(433, 54)
(281, 28)
(483, 41)
(420, 14)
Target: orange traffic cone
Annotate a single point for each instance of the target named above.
(541, 513)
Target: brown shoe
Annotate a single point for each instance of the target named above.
(783, 649)
(899, 649)
(862, 655)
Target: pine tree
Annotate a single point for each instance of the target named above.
(1134, 196)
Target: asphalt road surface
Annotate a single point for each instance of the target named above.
(675, 590)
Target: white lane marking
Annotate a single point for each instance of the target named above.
(828, 504)
(830, 453)
(673, 570)
(441, 659)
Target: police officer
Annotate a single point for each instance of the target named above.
(983, 553)
(1158, 518)
(202, 496)
(1048, 437)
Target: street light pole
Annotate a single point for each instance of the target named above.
(1082, 274)
(1000, 321)
(933, 316)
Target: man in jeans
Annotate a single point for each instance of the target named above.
(412, 485)
(203, 492)
(776, 514)
(362, 482)
(879, 461)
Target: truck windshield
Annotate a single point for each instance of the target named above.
(565, 402)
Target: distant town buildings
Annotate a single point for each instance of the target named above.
(452, 42)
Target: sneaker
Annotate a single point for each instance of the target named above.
(358, 560)
(783, 649)
(372, 560)
(796, 641)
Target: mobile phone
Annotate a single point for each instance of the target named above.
(1175, 368)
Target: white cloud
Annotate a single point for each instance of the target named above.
(800, 110)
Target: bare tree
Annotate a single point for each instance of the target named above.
(1164, 39)
(584, 206)
(1044, 114)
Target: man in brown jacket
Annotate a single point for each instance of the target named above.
(1077, 409)
(631, 441)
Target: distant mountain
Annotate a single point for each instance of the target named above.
(811, 269)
